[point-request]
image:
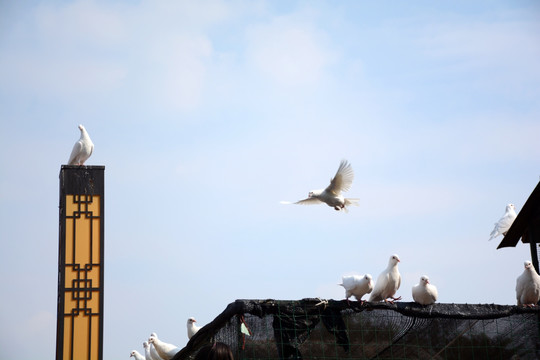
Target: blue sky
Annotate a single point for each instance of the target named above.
(206, 114)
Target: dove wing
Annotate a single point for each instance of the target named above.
(433, 292)
(308, 201)
(75, 152)
(343, 179)
(520, 284)
(506, 221)
(154, 353)
(348, 282)
(379, 287)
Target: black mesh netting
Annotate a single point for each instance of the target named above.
(317, 329)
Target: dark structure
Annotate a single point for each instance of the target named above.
(330, 329)
(526, 226)
(79, 334)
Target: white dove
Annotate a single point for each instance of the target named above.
(165, 351)
(147, 354)
(153, 351)
(136, 355)
(424, 292)
(528, 286)
(191, 327)
(331, 196)
(504, 223)
(388, 282)
(357, 286)
(82, 149)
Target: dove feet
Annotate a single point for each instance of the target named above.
(360, 301)
(393, 300)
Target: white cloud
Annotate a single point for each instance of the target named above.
(88, 48)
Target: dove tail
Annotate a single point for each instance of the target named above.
(493, 234)
(351, 201)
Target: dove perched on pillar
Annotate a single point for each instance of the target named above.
(332, 196)
(191, 327)
(388, 282)
(136, 355)
(424, 292)
(82, 149)
(504, 223)
(165, 351)
(357, 286)
(153, 352)
(528, 286)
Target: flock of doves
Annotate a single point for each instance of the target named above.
(388, 282)
(155, 349)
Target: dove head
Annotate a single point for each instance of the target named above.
(528, 265)
(154, 335)
(145, 344)
(510, 206)
(132, 353)
(424, 280)
(368, 277)
(152, 339)
(191, 320)
(394, 260)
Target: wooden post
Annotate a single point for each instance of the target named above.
(79, 328)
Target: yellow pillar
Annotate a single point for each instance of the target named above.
(80, 264)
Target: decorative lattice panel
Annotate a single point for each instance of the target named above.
(80, 283)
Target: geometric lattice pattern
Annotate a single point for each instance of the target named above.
(315, 329)
(81, 290)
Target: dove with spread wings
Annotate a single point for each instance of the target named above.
(332, 196)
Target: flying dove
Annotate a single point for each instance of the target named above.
(332, 196)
